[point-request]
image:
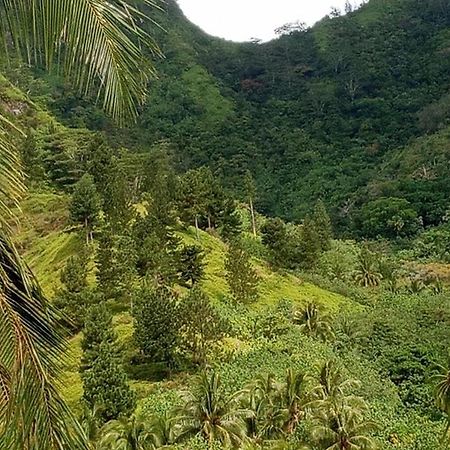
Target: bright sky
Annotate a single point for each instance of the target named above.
(240, 20)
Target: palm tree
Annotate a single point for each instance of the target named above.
(91, 422)
(127, 434)
(442, 393)
(163, 430)
(98, 44)
(295, 398)
(350, 331)
(212, 415)
(262, 398)
(332, 384)
(313, 322)
(366, 274)
(343, 428)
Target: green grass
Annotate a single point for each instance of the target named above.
(274, 286)
(206, 93)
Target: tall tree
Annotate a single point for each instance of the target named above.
(250, 192)
(191, 264)
(157, 247)
(31, 162)
(322, 225)
(241, 275)
(97, 329)
(116, 261)
(161, 183)
(274, 237)
(118, 198)
(156, 323)
(105, 385)
(74, 297)
(200, 325)
(195, 194)
(309, 246)
(85, 204)
(104, 380)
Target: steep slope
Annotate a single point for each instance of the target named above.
(47, 240)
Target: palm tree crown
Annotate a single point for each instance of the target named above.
(212, 415)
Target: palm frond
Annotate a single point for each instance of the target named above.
(32, 414)
(11, 177)
(95, 41)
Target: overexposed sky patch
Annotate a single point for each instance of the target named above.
(241, 20)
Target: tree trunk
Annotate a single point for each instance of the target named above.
(209, 222)
(86, 227)
(252, 211)
(196, 227)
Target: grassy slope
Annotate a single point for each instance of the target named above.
(46, 243)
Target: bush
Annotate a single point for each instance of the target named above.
(433, 244)
(389, 217)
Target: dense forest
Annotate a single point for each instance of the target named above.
(261, 260)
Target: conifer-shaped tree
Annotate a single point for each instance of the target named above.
(85, 204)
(74, 296)
(105, 384)
(160, 183)
(322, 224)
(195, 189)
(240, 274)
(116, 262)
(157, 248)
(200, 325)
(191, 264)
(31, 160)
(118, 198)
(98, 328)
(250, 193)
(99, 156)
(275, 238)
(310, 245)
(156, 323)
(229, 221)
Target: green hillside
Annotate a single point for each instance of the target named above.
(262, 260)
(47, 240)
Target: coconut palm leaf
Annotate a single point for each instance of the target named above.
(98, 43)
(32, 414)
(11, 185)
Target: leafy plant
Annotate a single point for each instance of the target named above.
(313, 322)
(209, 413)
(366, 273)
